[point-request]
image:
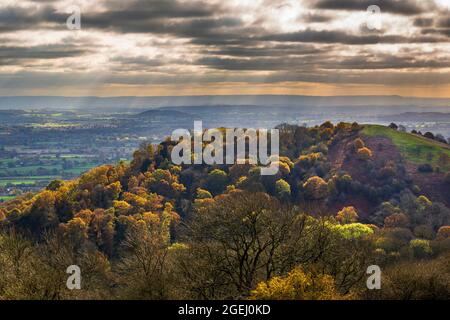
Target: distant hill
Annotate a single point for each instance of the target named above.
(163, 113)
(418, 116)
(129, 103)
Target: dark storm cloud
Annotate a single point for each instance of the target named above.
(444, 22)
(263, 51)
(423, 22)
(312, 36)
(386, 62)
(190, 28)
(440, 25)
(401, 7)
(28, 80)
(438, 31)
(139, 16)
(324, 62)
(192, 18)
(261, 64)
(315, 17)
(11, 55)
(153, 9)
(18, 18)
(444, 32)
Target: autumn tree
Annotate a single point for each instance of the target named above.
(203, 194)
(315, 188)
(143, 264)
(443, 233)
(237, 241)
(396, 220)
(283, 189)
(347, 215)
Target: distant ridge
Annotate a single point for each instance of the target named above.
(124, 103)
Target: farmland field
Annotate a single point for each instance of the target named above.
(26, 181)
(6, 198)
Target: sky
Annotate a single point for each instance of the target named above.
(225, 47)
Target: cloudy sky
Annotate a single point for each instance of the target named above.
(203, 47)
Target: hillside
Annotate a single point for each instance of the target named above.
(417, 150)
(346, 195)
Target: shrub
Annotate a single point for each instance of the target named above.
(364, 153)
(358, 144)
(393, 126)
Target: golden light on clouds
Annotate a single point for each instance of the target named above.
(201, 47)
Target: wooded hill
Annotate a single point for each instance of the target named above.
(347, 196)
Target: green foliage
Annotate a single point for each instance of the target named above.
(352, 230)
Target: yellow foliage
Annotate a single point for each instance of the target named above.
(297, 285)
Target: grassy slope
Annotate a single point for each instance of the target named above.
(416, 149)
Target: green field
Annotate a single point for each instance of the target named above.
(6, 198)
(79, 170)
(33, 168)
(25, 180)
(416, 149)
